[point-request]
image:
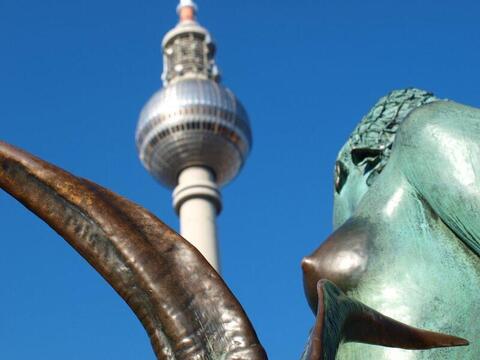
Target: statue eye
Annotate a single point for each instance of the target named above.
(362, 155)
(341, 175)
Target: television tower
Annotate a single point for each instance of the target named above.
(193, 135)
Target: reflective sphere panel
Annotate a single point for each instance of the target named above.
(193, 122)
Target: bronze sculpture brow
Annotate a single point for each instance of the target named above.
(186, 308)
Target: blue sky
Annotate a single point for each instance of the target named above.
(73, 78)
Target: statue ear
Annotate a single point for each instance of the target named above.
(342, 319)
(184, 305)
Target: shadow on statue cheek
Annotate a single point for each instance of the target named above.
(346, 203)
(342, 259)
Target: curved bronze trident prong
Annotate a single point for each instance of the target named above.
(186, 308)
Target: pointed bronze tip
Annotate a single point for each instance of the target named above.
(306, 263)
(309, 281)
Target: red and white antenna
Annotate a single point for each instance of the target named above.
(187, 10)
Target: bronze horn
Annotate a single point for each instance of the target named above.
(186, 308)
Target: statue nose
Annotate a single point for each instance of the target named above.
(342, 259)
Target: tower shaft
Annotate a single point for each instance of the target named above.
(197, 201)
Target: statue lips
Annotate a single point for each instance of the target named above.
(342, 259)
(341, 319)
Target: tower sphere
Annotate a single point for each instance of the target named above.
(193, 122)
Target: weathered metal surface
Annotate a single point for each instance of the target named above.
(187, 310)
(407, 233)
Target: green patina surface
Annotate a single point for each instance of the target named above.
(411, 169)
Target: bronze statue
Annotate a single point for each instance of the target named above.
(407, 239)
(398, 249)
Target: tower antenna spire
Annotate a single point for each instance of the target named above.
(187, 10)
